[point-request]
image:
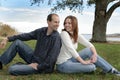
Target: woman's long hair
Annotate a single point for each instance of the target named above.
(74, 27)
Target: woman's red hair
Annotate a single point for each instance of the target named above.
(74, 27)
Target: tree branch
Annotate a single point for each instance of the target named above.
(73, 5)
(111, 10)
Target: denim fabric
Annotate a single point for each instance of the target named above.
(21, 69)
(73, 66)
(25, 52)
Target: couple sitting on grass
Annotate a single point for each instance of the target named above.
(52, 48)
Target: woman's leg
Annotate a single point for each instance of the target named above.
(19, 47)
(102, 63)
(75, 67)
(21, 69)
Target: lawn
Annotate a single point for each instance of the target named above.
(109, 51)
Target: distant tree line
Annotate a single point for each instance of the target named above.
(7, 30)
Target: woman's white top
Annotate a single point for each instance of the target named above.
(68, 49)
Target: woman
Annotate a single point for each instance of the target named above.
(71, 61)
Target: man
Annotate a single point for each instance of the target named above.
(43, 58)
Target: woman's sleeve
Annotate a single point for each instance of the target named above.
(84, 41)
(66, 39)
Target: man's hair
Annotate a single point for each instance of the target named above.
(49, 17)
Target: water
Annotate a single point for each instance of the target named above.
(89, 36)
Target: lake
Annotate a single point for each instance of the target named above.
(89, 36)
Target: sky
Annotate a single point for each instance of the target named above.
(19, 14)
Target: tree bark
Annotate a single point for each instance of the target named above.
(99, 26)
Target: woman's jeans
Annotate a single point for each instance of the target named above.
(25, 52)
(73, 66)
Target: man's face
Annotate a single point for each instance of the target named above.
(54, 24)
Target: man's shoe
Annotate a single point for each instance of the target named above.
(1, 66)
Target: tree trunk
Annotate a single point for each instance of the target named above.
(99, 30)
(100, 23)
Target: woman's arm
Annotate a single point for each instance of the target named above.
(94, 56)
(66, 39)
(86, 43)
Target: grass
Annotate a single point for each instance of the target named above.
(109, 51)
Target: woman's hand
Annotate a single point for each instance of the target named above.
(93, 58)
(83, 61)
(86, 62)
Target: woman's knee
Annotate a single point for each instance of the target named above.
(88, 51)
(92, 68)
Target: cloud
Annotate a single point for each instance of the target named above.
(4, 9)
(89, 13)
(26, 26)
(28, 19)
(23, 14)
(39, 10)
(116, 14)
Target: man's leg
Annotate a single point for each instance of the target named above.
(21, 69)
(23, 50)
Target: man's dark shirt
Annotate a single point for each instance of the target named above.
(46, 50)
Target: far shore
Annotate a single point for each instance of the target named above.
(113, 42)
(113, 35)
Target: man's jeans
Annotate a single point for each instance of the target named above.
(73, 66)
(25, 52)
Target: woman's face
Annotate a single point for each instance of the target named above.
(68, 25)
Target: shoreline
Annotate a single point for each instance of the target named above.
(113, 36)
(113, 42)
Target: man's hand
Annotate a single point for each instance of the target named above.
(3, 42)
(34, 65)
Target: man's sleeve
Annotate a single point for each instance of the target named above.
(48, 65)
(24, 36)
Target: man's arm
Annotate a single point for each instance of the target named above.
(23, 36)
